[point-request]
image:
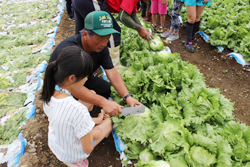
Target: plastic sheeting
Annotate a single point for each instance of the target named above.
(33, 83)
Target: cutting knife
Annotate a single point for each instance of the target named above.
(133, 110)
(151, 39)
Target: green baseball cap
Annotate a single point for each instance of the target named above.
(100, 22)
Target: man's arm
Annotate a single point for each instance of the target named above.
(119, 85)
(133, 22)
(110, 107)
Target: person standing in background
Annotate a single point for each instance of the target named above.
(127, 16)
(149, 15)
(70, 9)
(158, 6)
(194, 11)
(173, 33)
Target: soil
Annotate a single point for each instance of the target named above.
(220, 71)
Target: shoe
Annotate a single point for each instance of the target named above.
(160, 29)
(71, 16)
(83, 163)
(154, 27)
(86, 162)
(189, 46)
(194, 39)
(173, 36)
(166, 34)
(148, 19)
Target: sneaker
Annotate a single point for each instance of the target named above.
(160, 29)
(173, 36)
(71, 16)
(166, 34)
(189, 46)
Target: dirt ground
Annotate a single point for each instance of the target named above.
(220, 71)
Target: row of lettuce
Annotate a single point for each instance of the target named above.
(23, 28)
(227, 24)
(186, 124)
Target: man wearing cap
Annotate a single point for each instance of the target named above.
(93, 39)
(127, 15)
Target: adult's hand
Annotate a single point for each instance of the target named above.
(132, 102)
(144, 33)
(205, 1)
(112, 108)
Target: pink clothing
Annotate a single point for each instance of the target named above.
(158, 7)
(83, 163)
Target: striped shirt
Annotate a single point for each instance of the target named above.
(69, 120)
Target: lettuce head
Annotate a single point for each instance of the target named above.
(157, 46)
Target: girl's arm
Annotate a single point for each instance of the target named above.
(87, 141)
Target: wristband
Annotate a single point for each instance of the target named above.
(125, 97)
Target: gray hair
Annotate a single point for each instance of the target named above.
(89, 32)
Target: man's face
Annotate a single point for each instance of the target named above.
(97, 43)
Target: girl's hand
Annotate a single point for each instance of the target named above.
(96, 132)
(205, 1)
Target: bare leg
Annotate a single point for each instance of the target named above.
(199, 10)
(191, 10)
(162, 19)
(154, 18)
(106, 127)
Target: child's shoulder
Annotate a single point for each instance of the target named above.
(77, 105)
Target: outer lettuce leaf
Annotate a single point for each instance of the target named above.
(168, 136)
(137, 127)
(198, 157)
(178, 159)
(134, 150)
(153, 163)
(237, 134)
(224, 153)
(146, 156)
(205, 142)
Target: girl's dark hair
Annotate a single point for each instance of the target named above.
(71, 60)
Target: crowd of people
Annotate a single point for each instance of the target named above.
(70, 89)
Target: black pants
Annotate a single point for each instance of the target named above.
(68, 7)
(100, 86)
(84, 7)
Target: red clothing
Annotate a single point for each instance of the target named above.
(128, 5)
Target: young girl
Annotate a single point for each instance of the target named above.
(194, 10)
(72, 134)
(161, 7)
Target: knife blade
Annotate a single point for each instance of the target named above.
(133, 110)
(151, 39)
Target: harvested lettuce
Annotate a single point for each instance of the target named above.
(157, 46)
